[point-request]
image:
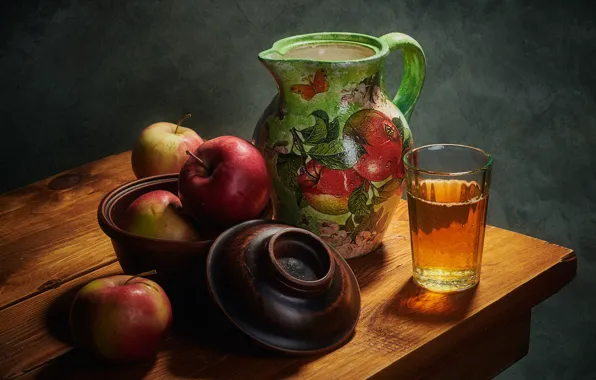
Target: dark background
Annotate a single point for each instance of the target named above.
(80, 79)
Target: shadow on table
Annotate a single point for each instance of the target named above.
(205, 340)
(414, 302)
(77, 364)
(57, 315)
(367, 267)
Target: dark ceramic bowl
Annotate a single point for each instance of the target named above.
(283, 287)
(176, 262)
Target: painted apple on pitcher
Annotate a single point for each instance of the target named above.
(333, 141)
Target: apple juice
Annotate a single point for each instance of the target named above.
(447, 222)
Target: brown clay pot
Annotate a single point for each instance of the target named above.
(283, 287)
(178, 263)
(175, 261)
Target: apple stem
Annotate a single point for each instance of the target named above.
(187, 116)
(148, 273)
(197, 158)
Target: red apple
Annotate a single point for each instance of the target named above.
(161, 148)
(120, 318)
(328, 190)
(157, 215)
(381, 140)
(224, 182)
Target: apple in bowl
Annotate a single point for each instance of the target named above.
(179, 263)
(176, 261)
(158, 214)
(224, 182)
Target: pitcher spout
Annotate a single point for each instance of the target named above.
(273, 60)
(300, 64)
(270, 58)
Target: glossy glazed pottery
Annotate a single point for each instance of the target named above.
(283, 287)
(334, 141)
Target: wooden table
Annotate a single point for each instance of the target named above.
(50, 245)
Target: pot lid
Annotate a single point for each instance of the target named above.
(283, 287)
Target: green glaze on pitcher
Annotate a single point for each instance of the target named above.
(334, 141)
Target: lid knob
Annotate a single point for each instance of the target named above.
(301, 260)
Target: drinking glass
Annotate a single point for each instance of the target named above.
(447, 190)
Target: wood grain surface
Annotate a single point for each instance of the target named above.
(50, 245)
(36, 330)
(49, 237)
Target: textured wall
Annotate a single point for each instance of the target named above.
(80, 79)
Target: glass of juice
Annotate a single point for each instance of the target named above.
(447, 189)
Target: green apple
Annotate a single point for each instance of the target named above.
(161, 148)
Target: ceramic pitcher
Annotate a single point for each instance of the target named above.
(334, 141)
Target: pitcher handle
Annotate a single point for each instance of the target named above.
(414, 71)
